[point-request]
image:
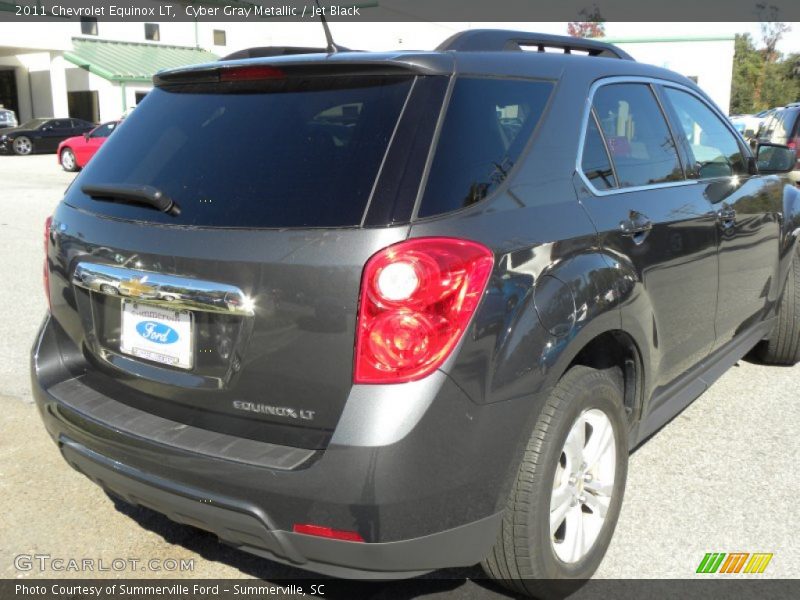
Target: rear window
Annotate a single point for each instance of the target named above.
(784, 126)
(487, 125)
(287, 154)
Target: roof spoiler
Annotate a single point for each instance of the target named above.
(501, 40)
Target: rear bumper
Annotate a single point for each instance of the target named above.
(248, 527)
(431, 500)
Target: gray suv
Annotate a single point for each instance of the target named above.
(377, 314)
(783, 127)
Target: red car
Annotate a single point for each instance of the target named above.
(73, 153)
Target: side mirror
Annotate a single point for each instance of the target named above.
(775, 158)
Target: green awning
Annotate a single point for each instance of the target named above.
(130, 61)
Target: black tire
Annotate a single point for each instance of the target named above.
(783, 345)
(22, 146)
(68, 161)
(524, 559)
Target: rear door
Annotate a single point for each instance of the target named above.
(237, 314)
(664, 235)
(50, 135)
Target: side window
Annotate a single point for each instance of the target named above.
(103, 130)
(713, 147)
(781, 127)
(487, 125)
(595, 163)
(638, 138)
(768, 126)
(88, 26)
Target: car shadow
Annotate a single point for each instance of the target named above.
(461, 582)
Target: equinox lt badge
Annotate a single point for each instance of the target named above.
(277, 411)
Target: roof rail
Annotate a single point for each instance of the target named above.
(500, 40)
(264, 51)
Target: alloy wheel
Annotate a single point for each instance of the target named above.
(582, 486)
(68, 160)
(22, 145)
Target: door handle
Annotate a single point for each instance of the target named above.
(636, 226)
(726, 216)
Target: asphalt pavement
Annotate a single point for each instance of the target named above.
(721, 477)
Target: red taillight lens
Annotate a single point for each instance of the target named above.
(794, 144)
(46, 272)
(250, 73)
(327, 532)
(417, 298)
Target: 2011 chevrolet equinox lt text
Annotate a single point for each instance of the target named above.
(421, 310)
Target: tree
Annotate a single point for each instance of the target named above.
(762, 78)
(747, 67)
(592, 27)
(772, 31)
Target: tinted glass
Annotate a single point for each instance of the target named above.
(637, 135)
(784, 126)
(595, 162)
(793, 126)
(713, 146)
(152, 32)
(88, 26)
(296, 153)
(768, 126)
(103, 130)
(487, 125)
(33, 123)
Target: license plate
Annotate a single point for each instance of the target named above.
(155, 333)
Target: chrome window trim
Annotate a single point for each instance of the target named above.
(651, 81)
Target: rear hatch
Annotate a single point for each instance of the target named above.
(235, 310)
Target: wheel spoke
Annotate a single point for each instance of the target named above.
(560, 495)
(599, 443)
(573, 536)
(598, 504)
(576, 440)
(599, 487)
(558, 513)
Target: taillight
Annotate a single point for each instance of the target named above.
(46, 272)
(794, 144)
(417, 298)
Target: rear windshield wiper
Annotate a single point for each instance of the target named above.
(136, 194)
